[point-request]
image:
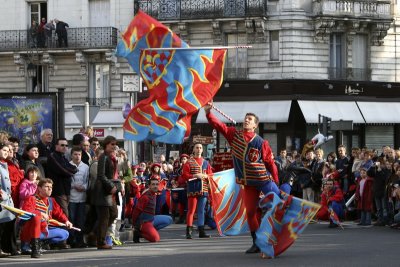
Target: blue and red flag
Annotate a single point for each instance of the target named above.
(285, 219)
(180, 80)
(21, 214)
(227, 203)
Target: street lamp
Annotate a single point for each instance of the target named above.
(31, 70)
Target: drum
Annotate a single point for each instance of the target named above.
(195, 188)
(178, 195)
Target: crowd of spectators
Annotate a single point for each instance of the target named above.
(95, 188)
(367, 180)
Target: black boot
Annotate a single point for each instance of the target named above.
(202, 233)
(35, 248)
(254, 248)
(136, 235)
(189, 230)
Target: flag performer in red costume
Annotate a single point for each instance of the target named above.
(253, 162)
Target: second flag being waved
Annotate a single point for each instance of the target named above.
(180, 80)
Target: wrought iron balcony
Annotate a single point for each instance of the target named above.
(78, 38)
(102, 102)
(235, 74)
(202, 9)
(354, 8)
(351, 74)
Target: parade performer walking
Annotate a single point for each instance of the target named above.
(196, 172)
(253, 163)
(45, 208)
(146, 223)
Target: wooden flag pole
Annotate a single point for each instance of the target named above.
(196, 48)
(222, 113)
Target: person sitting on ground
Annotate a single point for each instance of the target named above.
(45, 208)
(331, 197)
(146, 223)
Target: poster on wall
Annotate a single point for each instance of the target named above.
(25, 115)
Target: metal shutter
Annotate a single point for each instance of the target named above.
(378, 136)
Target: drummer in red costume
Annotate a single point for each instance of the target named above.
(253, 162)
(196, 172)
(45, 208)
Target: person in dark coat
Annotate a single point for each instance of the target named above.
(30, 158)
(45, 146)
(106, 190)
(380, 172)
(61, 31)
(61, 172)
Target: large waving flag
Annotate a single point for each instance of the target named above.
(283, 222)
(21, 214)
(180, 80)
(227, 203)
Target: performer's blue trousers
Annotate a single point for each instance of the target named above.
(55, 235)
(338, 208)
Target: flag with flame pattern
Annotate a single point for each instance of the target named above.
(180, 81)
(285, 219)
(227, 203)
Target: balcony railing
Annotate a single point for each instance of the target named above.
(235, 74)
(354, 8)
(78, 38)
(102, 102)
(202, 9)
(351, 74)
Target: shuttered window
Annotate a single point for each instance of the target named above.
(99, 13)
(378, 136)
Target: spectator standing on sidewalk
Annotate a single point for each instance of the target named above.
(61, 172)
(77, 203)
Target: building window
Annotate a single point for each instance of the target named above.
(274, 45)
(99, 84)
(337, 56)
(37, 11)
(99, 13)
(236, 62)
(360, 57)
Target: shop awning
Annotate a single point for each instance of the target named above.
(380, 112)
(336, 110)
(109, 117)
(267, 111)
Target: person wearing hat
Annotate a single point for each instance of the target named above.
(196, 172)
(155, 170)
(133, 192)
(364, 196)
(179, 188)
(331, 197)
(146, 222)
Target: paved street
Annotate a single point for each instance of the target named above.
(318, 245)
